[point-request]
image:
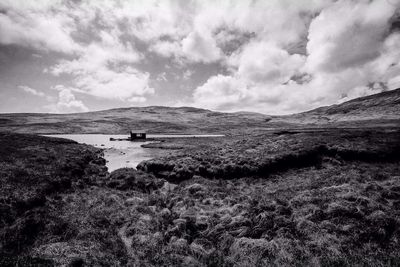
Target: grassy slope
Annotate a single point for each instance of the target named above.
(382, 108)
(377, 110)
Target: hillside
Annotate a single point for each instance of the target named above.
(381, 108)
(155, 119)
(375, 110)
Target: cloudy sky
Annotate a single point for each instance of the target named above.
(269, 56)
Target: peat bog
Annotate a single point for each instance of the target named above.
(270, 198)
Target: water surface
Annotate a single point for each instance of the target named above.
(120, 154)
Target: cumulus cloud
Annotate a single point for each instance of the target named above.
(265, 63)
(36, 26)
(350, 53)
(166, 48)
(220, 91)
(66, 103)
(116, 85)
(104, 82)
(207, 31)
(201, 48)
(276, 56)
(100, 66)
(103, 70)
(35, 92)
(260, 78)
(137, 99)
(32, 91)
(348, 34)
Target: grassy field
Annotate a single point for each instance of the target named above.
(322, 198)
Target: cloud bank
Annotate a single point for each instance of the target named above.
(349, 52)
(276, 56)
(66, 102)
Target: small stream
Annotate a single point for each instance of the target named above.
(120, 154)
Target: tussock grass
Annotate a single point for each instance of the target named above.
(326, 199)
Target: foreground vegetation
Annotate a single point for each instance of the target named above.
(324, 198)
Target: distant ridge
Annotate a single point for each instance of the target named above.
(160, 108)
(382, 109)
(386, 98)
(376, 109)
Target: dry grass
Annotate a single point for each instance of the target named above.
(326, 199)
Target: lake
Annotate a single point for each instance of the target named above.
(120, 154)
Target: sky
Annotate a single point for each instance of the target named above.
(268, 56)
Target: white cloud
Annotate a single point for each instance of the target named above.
(197, 32)
(187, 74)
(394, 83)
(35, 92)
(280, 21)
(137, 99)
(200, 48)
(37, 27)
(166, 48)
(387, 66)
(32, 91)
(67, 103)
(152, 19)
(104, 82)
(347, 34)
(162, 77)
(103, 70)
(107, 51)
(277, 56)
(101, 67)
(112, 84)
(257, 82)
(262, 62)
(221, 92)
(349, 55)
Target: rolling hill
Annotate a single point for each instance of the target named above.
(155, 119)
(378, 109)
(375, 110)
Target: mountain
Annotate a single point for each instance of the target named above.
(381, 109)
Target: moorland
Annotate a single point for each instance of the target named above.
(320, 188)
(379, 110)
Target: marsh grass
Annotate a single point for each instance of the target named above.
(327, 199)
